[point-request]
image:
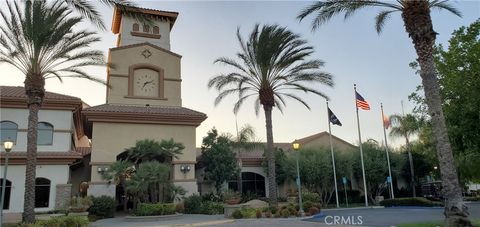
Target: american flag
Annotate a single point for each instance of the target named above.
(361, 103)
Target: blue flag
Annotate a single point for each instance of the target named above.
(333, 119)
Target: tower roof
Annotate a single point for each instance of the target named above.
(119, 11)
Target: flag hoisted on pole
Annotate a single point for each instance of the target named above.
(334, 120)
(360, 102)
(386, 124)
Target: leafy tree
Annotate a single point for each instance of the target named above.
(458, 67)
(406, 126)
(218, 159)
(284, 166)
(119, 172)
(148, 150)
(418, 24)
(272, 62)
(38, 40)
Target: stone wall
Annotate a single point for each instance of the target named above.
(62, 198)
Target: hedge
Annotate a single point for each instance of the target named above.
(417, 201)
(103, 207)
(148, 209)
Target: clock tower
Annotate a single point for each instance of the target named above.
(143, 99)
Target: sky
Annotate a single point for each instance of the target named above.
(352, 50)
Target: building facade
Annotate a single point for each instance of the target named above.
(143, 100)
(60, 133)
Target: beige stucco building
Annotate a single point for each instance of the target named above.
(143, 99)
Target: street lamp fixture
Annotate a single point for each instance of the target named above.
(435, 168)
(296, 147)
(7, 144)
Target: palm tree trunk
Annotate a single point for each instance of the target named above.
(418, 23)
(34, 88)
(412, 171)
(125, 198)
(272, 185)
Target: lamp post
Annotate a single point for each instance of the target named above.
(296, 147)
(7, 144)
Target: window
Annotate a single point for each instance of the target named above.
(146, 28)
(8, 129)
(8, 189)
(251, 183)
(45, 134)
(156, 30)
(136, 27)
(42, 192)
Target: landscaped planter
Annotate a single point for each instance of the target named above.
(152, 218)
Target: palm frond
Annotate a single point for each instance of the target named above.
(325, 10)
(380, 19)
(443, 4)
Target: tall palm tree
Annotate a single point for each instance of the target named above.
(418, 25)
(38, 40)
(406, 126)
(270, 66)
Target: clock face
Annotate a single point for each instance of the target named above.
(146, 83)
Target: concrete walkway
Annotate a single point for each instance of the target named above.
(184, 220)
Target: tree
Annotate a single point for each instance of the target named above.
(458, 67)
(38, 40)
(218, 159)
(150, 181)
(284, 166)
(406, 126)
(272, 62)
(418, 24)
(119, 172)
(148, 150)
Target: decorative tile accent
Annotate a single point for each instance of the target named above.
(146, 53)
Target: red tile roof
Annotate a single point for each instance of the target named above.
(43, 154)
(154, 110)
(12, 92)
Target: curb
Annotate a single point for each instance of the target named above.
(207, 223)
(354, 208)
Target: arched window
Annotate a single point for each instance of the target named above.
(156, 30)
(8, 189)
(42, 192)
(136, 27)
(45, 133)
(8, 129)
(146, 28)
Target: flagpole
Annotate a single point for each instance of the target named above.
(386, 151)
(333, 158)
(361, 150)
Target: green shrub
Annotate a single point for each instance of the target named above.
(210, 207)
(311, 196)
(308, 204)
(64, 221)
(196, 204)
(103, 207)
(147, 209)
(193, 204)
(237, 214)
(248, 212)
(472, 199)
(284, 213)
(418, 201)
(258, 213)
(249, 196)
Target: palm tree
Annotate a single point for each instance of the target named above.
(39, 41)
(406, 126)
(119, 172)
(418, 25)
(88, 10)
(148, 150)
(272, 63)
